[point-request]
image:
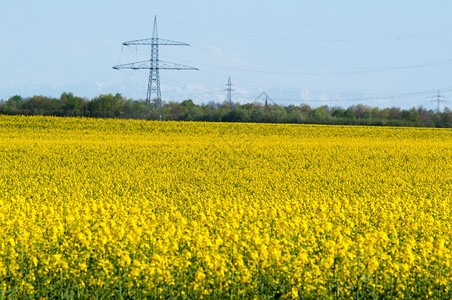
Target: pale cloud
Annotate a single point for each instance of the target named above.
(323, 97)
(100, 85)
(305, 94)
(242, 95)
(219, 53)
(198, 88)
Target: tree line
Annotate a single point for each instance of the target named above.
(117, 106)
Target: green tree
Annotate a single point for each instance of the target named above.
(13, 106)
(446, 118)
(424, 117)
(237, 114)
(411, 117)
(175, 111)
(319, 115)
(41, 105)
(71, 105)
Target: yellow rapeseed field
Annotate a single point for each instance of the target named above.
(94, 208)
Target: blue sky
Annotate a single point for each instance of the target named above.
(339, 53)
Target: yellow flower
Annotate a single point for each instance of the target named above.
(146, 207)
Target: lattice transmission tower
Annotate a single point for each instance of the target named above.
(154, 65)
(229, 90)
(264, 96)
(438, 99)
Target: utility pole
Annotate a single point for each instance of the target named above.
(229, 90)
(438, 99)
(154, 65)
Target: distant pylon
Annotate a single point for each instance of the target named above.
(229, 90)
(267, 98)
(438, 100)
(154, 65)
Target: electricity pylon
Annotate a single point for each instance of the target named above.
(265, 96)
(438, 101)
(154, 65)
(229, 89)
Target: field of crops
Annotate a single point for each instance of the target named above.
(131, 209)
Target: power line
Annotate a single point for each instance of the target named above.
(352, 71)
(279, 38)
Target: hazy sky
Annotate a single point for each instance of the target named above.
(339, 53)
